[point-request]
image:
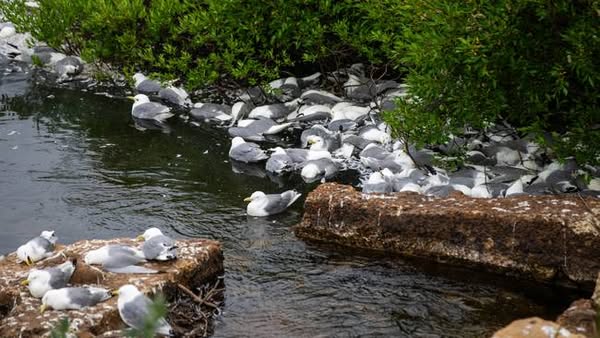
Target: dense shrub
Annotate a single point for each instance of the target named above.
(531, 62)
(198, 40)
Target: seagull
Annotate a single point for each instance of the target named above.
(211, 112)
(144, 85)
(37, 248)
(118, 259)
(279, 161)
(134, 308)
(323, 168)
(330, 139)
(68, 67)
(56, 277)
(176, 96)
(246, 152)
(262, 204)
(74, 298)
(158, 246)
(145, 110)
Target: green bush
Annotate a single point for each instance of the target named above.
(196, 40)
(531, 62)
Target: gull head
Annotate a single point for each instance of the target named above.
(255, 195)
(127, 292)
(152, 232)
(316, 143)
(49, 235)
(139, 77)
(236, 141)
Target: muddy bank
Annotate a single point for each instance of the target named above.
(552, 239)
(200, 263)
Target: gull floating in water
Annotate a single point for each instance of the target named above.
(118, 259)
(145, 110)
(158, 246)
(134, 308)
(74, 298)
(262, 204)
(41, 281)
(37, 248)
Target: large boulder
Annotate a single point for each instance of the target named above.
(553, 239)
(200, 261)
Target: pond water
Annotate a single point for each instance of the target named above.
(72, 161)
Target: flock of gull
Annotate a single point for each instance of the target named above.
(51, 283)
(347, 133)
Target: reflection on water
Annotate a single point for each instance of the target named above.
(76, 163)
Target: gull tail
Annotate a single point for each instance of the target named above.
(132, 269)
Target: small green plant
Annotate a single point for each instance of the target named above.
(61, 330)
(157, 310)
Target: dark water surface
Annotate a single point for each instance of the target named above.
(73, 162)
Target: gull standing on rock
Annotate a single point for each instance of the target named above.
(118, 259)
(134, 308)
(246, 152)
(262, 204)
(145, 110)
(74, 298)
(37, 248)
(158, 246)
(176, 96)
(40, 281)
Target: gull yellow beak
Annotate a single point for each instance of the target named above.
(115, 292)
(25, 282)
(29, 261)
(139, 238)
(131, 98)
(311, 141)
(247, 199)
(42, 308)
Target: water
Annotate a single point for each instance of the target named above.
(73, 162)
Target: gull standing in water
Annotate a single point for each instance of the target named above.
(145, 110)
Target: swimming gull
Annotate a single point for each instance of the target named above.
(37, 248)
(211, 112)
(118, 259)
(74, 298)
(262, 204)
(144, 109)
(158, 246)
(39, 281)
(279, 161)
(246, 152)
(134, 309)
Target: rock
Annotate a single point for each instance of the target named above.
(552, 239)
(199, 262)
(285, 89)
(535, 327)
(580, 318)
(319, 97)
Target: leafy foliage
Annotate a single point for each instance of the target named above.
(158, 309)
(60, 330)
(531, 62)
